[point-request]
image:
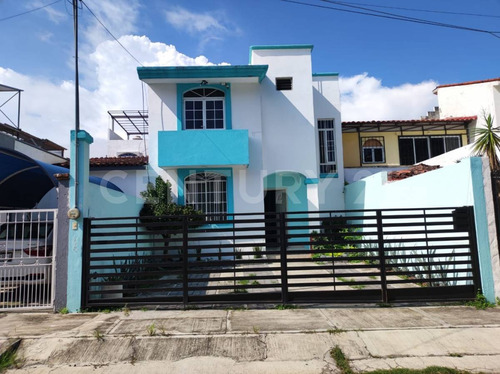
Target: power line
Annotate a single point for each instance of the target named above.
(424, 10)
(380, 14)
(110, 33)
(29, 11)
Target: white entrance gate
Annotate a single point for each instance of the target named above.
(27, 253)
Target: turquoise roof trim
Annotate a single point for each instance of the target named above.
(325, 74)
(225, 71)
(285, 46)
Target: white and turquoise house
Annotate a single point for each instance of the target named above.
(248, 138)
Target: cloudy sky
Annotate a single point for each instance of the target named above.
(388, 68)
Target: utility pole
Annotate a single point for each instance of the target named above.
(77, 100)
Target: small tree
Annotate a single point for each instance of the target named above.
(487, 141)
(159, 207)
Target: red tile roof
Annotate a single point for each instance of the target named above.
(413, 121)
(410, 172)
(106, 162)
(466, 83)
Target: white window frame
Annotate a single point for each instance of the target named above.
(204, 100)
(372, 149)
(209, 180)
(323, 137)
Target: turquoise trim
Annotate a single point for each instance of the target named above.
(325, 74)
(227, 172)
(200, 148)
(311, 181)
(186, 72)
(483, 243)
(284, 46)
(182, 88)
(328, 175)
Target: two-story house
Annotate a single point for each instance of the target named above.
(248, 138)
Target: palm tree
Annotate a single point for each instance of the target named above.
(487, 141)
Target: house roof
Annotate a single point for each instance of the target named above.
(153, 74)
(410, 172)
(44, 144)
(452, 123)
(466, 83)
(117, 162)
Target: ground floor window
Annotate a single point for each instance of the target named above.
(419, 148)
(207, 192)
(373, 150)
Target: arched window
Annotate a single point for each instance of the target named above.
(204, 109)
(373, 150)
(207, 192)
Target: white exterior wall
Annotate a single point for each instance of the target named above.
(118, 147)
(288, 116)
(162, 108)
(470, 100)
(246, 114)
(326, 94)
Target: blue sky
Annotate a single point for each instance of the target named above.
(388, 67)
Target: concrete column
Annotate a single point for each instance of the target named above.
(75, 235)
(485, 250)
(61, 260)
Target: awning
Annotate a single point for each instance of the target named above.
(24, 181)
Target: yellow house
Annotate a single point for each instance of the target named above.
(401, 142)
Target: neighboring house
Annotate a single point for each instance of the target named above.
(40, 149)
(374, 146)
(128, 172)
(248, 138)
(470, 99)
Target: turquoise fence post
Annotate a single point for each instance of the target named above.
(75, 235)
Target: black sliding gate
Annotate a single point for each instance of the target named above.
(369, 256)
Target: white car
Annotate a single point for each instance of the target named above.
(25, 254)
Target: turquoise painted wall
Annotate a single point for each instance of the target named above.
(193, 148)
(296, 196)
(455, 185)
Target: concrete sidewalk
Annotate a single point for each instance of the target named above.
(255, 341)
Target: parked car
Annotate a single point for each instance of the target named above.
(25, 253)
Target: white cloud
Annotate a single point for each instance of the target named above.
(47, 108)
(208, 26)
(365, 98)
(55, 15)
(45, 36)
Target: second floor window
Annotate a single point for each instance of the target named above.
(373, 150)
(416, 149)
(204, 109)
(326, 132)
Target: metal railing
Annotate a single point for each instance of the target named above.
(306, 257)
(27, 252)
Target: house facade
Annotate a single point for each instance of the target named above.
(374, 146)
(248, 138)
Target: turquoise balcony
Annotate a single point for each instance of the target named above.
(202, 148)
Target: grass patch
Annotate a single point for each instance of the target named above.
(345, 368)
(8, 359)
(286, 306)
(341, 361)
(481, 302)
(335, 331)
(64, 311)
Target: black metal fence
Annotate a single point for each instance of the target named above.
(391, 255)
